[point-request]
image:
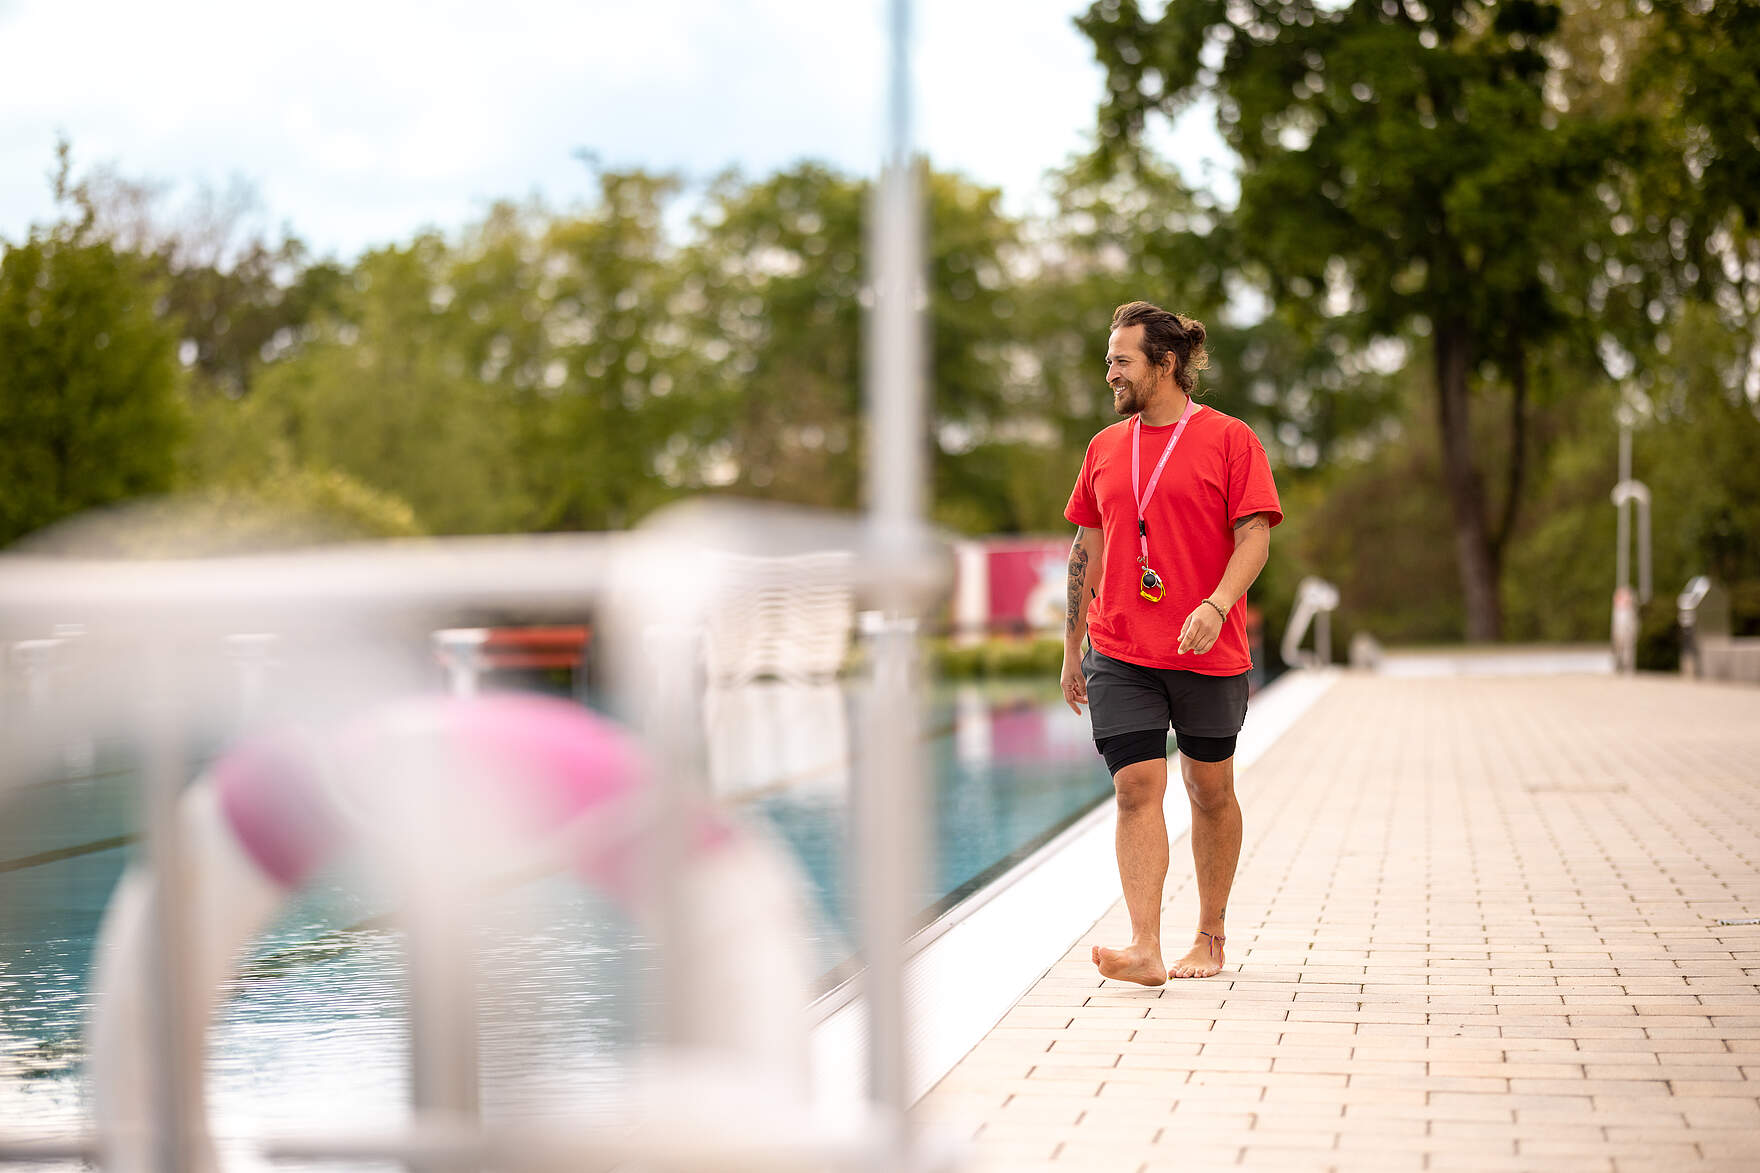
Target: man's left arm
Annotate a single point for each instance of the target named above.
(1252, 546)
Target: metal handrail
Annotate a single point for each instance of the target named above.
(1316, 599)
(164, 603)
(1630, 492)
(179, 601)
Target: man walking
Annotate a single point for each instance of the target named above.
(1173, 508)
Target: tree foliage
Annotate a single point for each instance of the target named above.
(1403, 171)
(89, 386)
(1522, 206)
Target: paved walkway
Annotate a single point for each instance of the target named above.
(1476, 928)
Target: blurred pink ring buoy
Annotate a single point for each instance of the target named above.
(265, 817)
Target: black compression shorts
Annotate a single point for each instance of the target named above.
(1147, 745)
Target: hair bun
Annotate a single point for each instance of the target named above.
(1194, 330)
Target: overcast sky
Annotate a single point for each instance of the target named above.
(360, 121)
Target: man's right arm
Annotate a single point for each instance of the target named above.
(1084, 569)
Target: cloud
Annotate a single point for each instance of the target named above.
(362, 120)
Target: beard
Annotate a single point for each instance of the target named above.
(1132, 397)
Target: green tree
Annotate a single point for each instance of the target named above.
(522, 377)
(89, 384)
(1132, 229)
(241, 297)
(1111, 238)
(621, 386)
(774, 287)
(980, 422)
(384, 395)
(240, 314)
(1403, 169)
(773, 294)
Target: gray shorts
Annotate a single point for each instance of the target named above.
(1129, 698)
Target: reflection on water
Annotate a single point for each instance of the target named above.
(777, 735)
(315, 1031)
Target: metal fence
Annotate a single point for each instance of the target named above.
(165, 649)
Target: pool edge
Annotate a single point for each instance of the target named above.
(1016, 928)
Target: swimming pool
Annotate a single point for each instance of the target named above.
(316, 1031)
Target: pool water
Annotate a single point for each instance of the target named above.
(315, 1033)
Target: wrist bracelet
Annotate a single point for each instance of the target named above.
(1218, 607)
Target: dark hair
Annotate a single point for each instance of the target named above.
(1164, 332)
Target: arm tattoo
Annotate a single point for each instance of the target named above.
(1078, 576)
(1251, 522)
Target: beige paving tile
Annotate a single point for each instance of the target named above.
(1734, 1148)
(1699, 1087)
(1105, 1055)
(1028, 1129)
(1484, 1163)
(1219, 1059)
(1188, 1159)
(1018, 1089)
(1538, 1065)
(1040, 1103)
(1052, 1073)
(1164, 1090)
(1004, 1153)
(1714, 1113)
(1279, 1094)
(981, 1078)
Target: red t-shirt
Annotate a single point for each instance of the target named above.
(1216, 475)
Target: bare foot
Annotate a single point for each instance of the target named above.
(1205, 959)
(1139, 963)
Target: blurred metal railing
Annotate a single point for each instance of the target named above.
(1316, 599)
(151, 612)
(147, 616)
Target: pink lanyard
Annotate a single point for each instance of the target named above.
(1143, 496)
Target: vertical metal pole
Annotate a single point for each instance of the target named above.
(889, 863)
(443, 919)
(461, 651)
(672, 723)
(895, 331)
(34, 658)
(251, 655)
(889, 793)
(176, 1137)
(442, 959)
(79, 753)
(1644, 582)
(1623, 538)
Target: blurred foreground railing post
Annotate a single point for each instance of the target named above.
(460, 651)
(177, 1121)
(670, 722)
(34, 658)
(160, 626)
(889, 854)
(442, 920)
(889, 800)
(46, 667)
(254, 655)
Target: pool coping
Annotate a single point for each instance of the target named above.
(1015, 928)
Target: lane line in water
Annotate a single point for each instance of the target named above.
(60, 853)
